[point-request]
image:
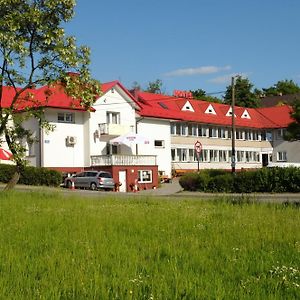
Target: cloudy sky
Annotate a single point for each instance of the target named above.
(190, 44)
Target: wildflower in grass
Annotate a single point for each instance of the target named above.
(289, 276)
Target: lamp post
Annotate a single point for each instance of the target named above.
(233, 161)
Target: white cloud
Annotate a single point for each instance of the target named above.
(197, 71)
(227, 78)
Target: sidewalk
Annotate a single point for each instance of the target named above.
(166, 189)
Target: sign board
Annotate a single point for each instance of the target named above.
(198, 147)
(183, 94)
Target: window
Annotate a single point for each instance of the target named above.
(66, 118)
(222, 133)
(111, 149)
(144, 176)
(159, 143)
(192, 156)
(222, 155)
(113, 117)
(213, 132)
(184, 129)
(192, 130)
(239, 134)
(173, 128)
(263, 136)
(280, 134)
(281, 156)
(204, 155)
(213, 155)
(201, 131)
(182, 154)
(173, 154)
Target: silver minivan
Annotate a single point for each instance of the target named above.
(93, 180)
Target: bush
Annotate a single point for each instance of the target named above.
(194, 181)
(221, 183)
(244, 182)
(265, 180)
(31, 175)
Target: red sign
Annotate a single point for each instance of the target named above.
(182, 94)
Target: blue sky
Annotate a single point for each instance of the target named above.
(190, 44)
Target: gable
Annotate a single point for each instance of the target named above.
(210, 110)
(229, 112)
(245, 115)
(188, 107)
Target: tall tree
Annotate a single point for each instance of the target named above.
(201, 95)
(244, 94)
(293, 130)
(282, 87)
(155, 87)
(34, 51)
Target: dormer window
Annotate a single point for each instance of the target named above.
(210, 110)
(188, 107)
(229, 113)
(245, 115)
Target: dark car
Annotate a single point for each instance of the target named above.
(93, 180)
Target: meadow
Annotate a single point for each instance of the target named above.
(120, 248)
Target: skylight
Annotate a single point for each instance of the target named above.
(163, 105)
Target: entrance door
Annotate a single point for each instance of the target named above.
(122, 179)
(265, 159)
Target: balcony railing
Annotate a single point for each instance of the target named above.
(123, 160)
(115, 129)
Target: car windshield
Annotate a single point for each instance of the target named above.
(105, 175)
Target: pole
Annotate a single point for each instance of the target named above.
(232, 125)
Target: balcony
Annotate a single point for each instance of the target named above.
(123, 160)
(115, 129)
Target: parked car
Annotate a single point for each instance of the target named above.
(93, 180)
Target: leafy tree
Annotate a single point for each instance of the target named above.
(201, 95)
(283, 87)
(244, 94)
(34, 51)
(293, 129)
(155, 87)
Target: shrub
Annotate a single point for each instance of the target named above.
(265, 180)
(194, 181)
(244, 182)
(221, 183)
(31, 175)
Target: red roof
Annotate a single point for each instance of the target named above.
(54, 97)
(169, 107)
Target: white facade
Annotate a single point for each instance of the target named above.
(158, 132)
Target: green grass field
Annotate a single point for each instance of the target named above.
(56, 248)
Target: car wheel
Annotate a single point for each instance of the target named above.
(93, 186)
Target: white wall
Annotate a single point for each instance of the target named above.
(114, 100)
(55, 151)
(156, 129)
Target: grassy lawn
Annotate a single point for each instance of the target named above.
(56, 248)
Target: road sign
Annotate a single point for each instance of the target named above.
(198, 147)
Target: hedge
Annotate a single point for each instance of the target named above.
(271, 180)
(31, 175)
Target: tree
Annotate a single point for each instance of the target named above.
(155, 87)
(35, 52)
(244, 96)
(293, 129)
(201, 95)
(283, 87)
